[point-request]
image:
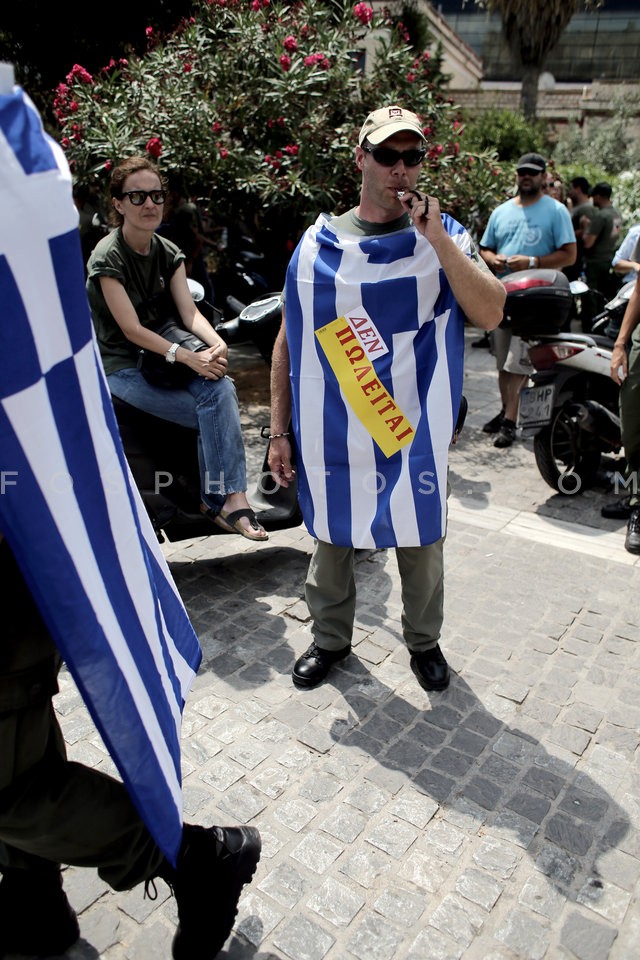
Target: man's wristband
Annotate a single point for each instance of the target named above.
(276, 436)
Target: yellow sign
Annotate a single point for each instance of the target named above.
(376, 409)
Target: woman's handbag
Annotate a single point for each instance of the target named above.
(156, 370)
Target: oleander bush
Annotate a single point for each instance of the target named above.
(258, 104)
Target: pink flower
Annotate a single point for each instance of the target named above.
(317, 58)
(411, 77)
(187, 68)
(256, 5)
(216, 126)
(65, 142)
(154, 147)
(73, 106)
(79, 73)
(148, 31)
(108, 165)
(363, 13)
(285, 62)
(292, 149)
(224, 153)
(290, 44)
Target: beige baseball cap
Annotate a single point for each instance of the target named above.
(386, 121)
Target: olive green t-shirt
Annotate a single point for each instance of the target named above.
(146, 279)
(605, 226)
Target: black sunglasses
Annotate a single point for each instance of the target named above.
(387, 157)
(138, 197)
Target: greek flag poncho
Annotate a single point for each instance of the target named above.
(376, 345)
(68, 505)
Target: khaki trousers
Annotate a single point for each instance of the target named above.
(330, 592)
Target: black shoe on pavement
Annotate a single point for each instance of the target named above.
(617, 509)
(506, 434)
(493, 425)
(314, 664)
(35, 916)
(632, 540)
(431, 669)
(214, 864)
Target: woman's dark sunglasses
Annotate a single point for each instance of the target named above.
(387, 157)
(138, 197)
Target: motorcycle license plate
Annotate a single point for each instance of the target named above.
(536, 407)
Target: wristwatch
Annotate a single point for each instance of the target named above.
(532, 263)
(170, 355)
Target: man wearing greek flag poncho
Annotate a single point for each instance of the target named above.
(368, 369)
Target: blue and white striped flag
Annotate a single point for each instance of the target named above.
(376, 346)
(68, 505)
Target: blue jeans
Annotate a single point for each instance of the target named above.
(208, 406)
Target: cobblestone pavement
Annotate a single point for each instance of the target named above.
(494, 821)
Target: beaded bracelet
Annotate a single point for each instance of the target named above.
(276, 436)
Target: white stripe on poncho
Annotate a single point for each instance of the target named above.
(355, 488)
(68, 506)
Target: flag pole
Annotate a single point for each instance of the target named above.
(6, 79)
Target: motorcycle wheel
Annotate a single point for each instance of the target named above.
(565, 455)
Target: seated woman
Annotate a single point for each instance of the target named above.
(129, 275)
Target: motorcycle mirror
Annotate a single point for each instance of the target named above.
(195, 289)
(261, 309)
(578, 287)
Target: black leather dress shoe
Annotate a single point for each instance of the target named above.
(632, 540)
(493, 425)
(313, 666)
(431, 669)
(617, 509)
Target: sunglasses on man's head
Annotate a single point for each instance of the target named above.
(387, 157)
(138, 197)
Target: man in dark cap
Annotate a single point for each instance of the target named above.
(600, 239)
(530, 231)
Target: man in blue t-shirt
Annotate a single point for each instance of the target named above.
(530, 231)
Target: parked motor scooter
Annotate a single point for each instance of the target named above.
(163, 456)
(257, 322)
(571, 407)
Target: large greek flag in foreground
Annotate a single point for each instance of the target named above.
(376, 346)
(68, 505)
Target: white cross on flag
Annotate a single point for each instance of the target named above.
(68, 505)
